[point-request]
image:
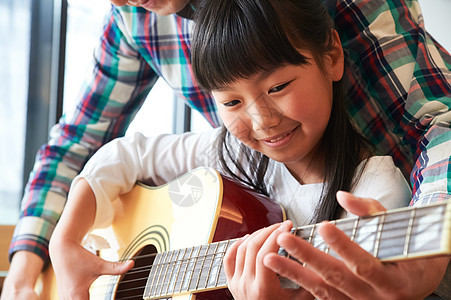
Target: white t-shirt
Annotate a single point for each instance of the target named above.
(118, 165)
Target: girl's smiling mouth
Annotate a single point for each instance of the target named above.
(280, 139)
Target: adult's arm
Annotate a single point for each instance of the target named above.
(399, 82)
(110, 97)
(358, 275)
(400, 91)
(119, 82)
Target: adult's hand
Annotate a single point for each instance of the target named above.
(358, 275)
(119, 2)
(23, 272)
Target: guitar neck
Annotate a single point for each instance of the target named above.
(394, 235)
(405, 233)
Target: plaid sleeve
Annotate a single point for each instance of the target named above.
(399, 88)
(109, 100)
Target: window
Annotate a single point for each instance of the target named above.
(437, 21)
(84, 24)
(15, 21)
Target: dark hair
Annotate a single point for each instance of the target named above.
(236, 39)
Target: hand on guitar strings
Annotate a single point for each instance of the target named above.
(359, 275)
(247, 277)
(75, 267)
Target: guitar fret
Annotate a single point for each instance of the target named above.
(185, 261)
(204, 257)
(193, 262)
(225, 246)
(222, 279)
(393, 234)
(149, 291)
(158, 273)
(207, 280)
(173, 266)
(310, 239)
(159, 282)
(354, 229)
(429, 219)
(175, 271)
(409, 232)
(378, 235)
(167, 263)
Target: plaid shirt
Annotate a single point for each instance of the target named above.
(399, 89)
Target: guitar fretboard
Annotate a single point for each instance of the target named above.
(400, 234)
(198, 268)
(394, 235)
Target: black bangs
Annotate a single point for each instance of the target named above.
(220, 55)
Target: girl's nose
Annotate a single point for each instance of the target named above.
(264, 114)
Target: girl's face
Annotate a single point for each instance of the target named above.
(282, 113)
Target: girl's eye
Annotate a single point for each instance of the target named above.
(279, 88)
(232, 103)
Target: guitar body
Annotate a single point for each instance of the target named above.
(197, 208)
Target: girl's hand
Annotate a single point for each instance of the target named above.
(359, 275)
(247, 277)
(76, 268)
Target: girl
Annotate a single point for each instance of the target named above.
(274, 68)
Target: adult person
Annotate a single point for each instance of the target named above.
(125, 71)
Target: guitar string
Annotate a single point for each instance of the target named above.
(304, 229)
(178, 263)
(183, 261)
(339, 223)
(202, 256)
(198, 271)
(303, 236)
(166, 280)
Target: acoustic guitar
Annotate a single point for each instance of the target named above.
(178, 234)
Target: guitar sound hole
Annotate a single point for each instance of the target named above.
(133, 283)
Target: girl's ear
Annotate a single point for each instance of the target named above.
(336, 58)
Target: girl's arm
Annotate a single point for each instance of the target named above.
(117, 166)
(112, 171)
(75, 267)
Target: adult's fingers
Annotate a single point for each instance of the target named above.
(359, 261)
(358, 206)
(310, 282)
(338, 279)
(119, 2)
